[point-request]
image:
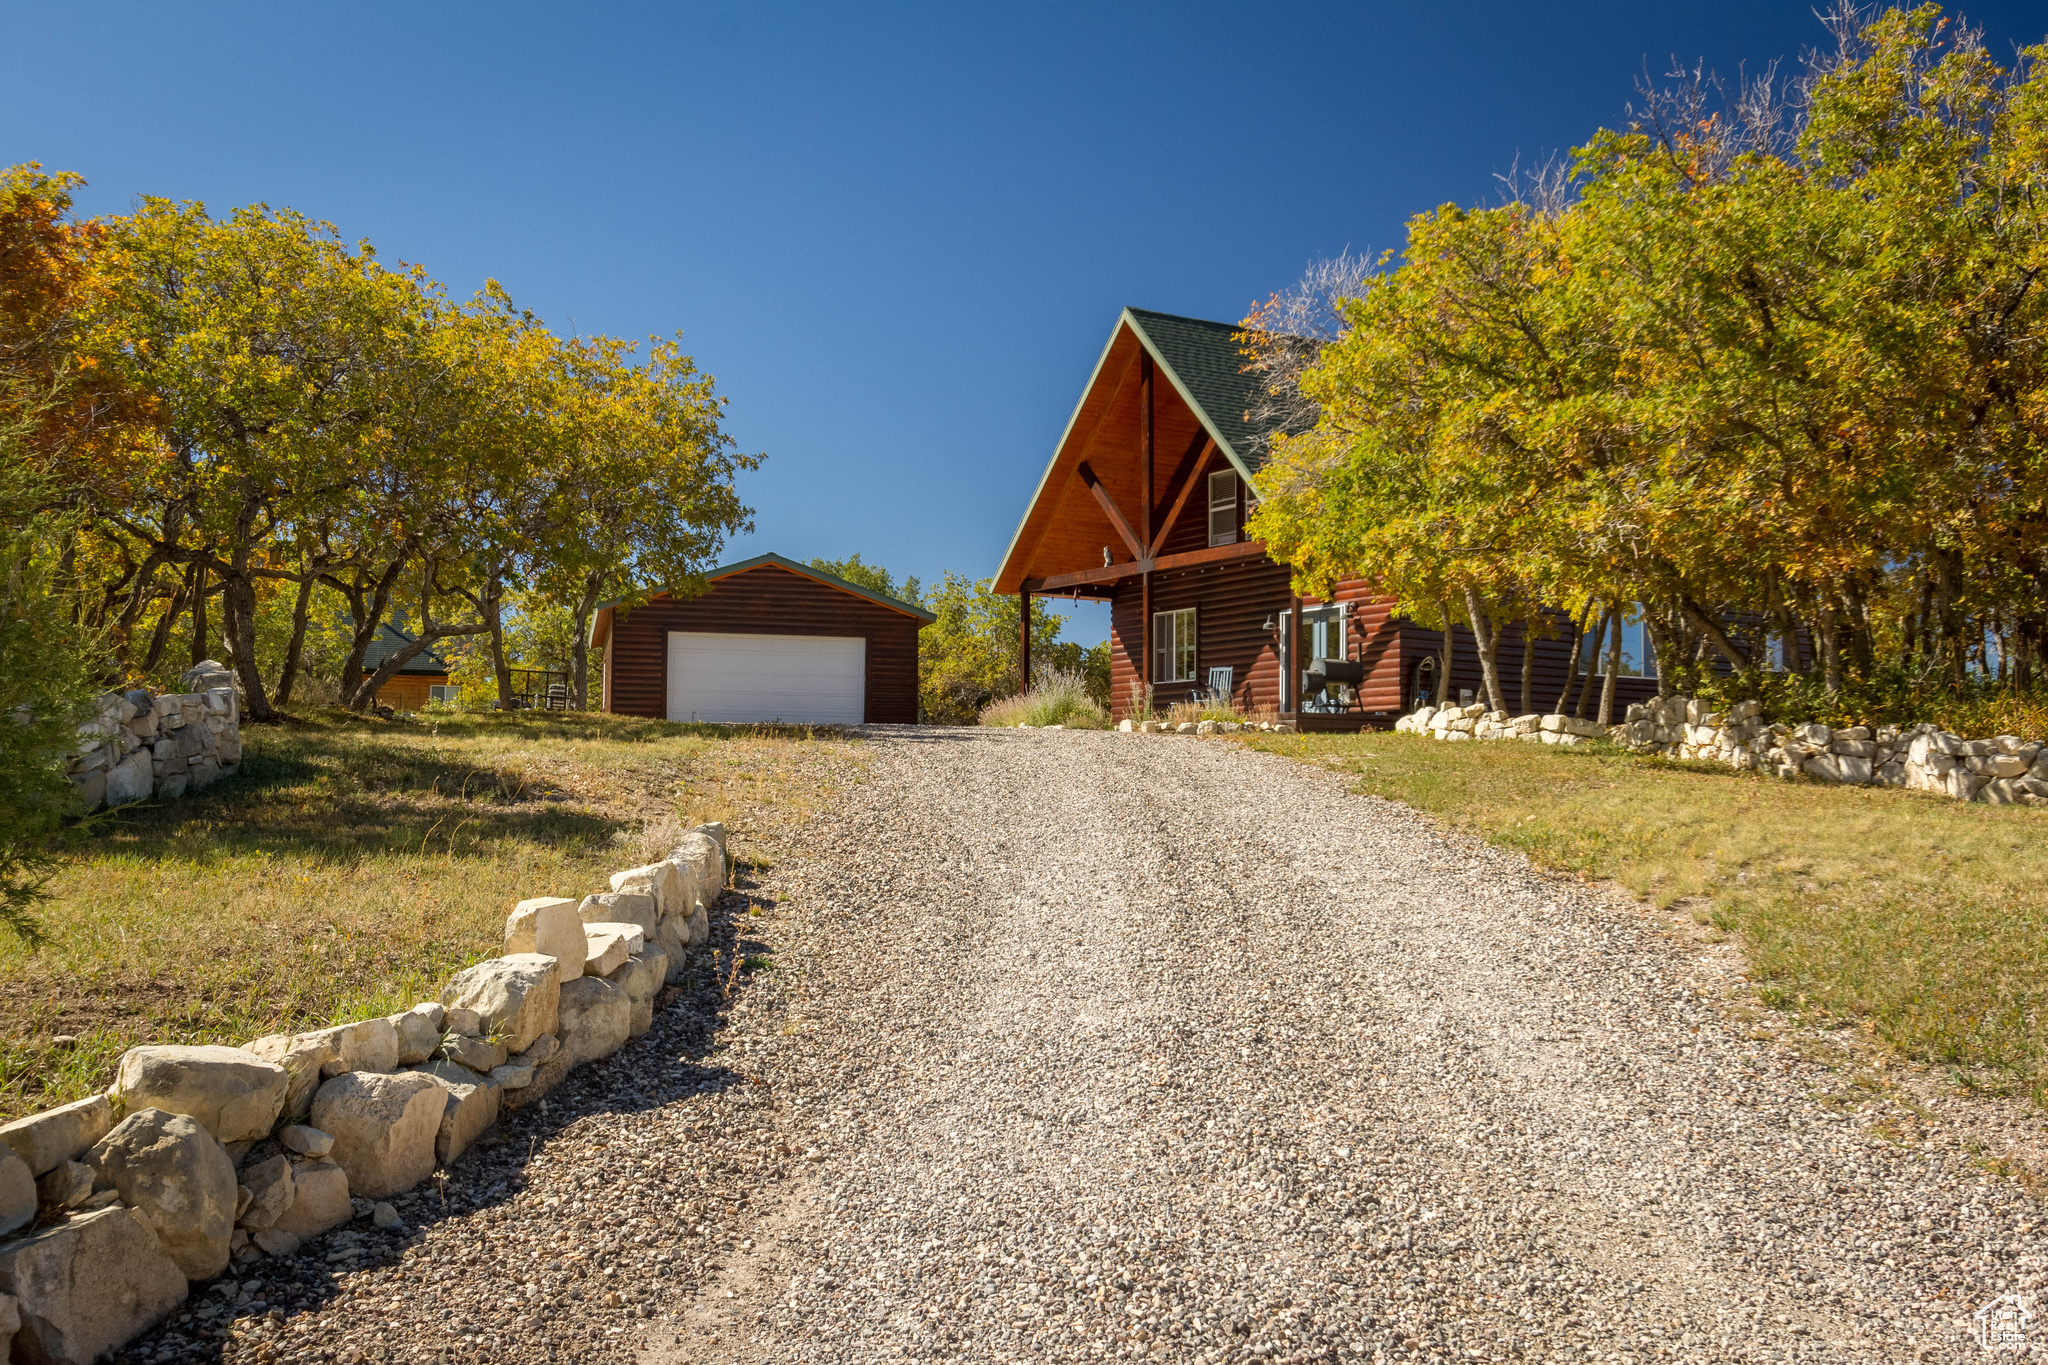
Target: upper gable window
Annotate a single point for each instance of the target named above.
(1223, 507)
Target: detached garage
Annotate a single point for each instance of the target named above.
(770, 639)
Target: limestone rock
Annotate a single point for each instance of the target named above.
(17, 1193)
(384, 1128)
(319, 1199)
(662, 880)
(468, 1023)
(271, 1190)
(169, 1169)
(702, 860)
(276, 1241)
(514, 1075)
(10, 1323)
(471, 1107)
(475, 1053)
(419, 1032)
(303, 1059)
(304, 1141)
(87, 1285)
(640, 977)
(235, 1095)
(697, 930)
(49, 1139)
(621, 907)
(672, 938)
(547, 1074)
(67, 1187)
(516, 997)
(131, 780)
(547, 925)
(607, 946)
(596, 1019)
(369, 1045)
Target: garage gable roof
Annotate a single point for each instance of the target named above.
(601, 623)
(830, 580)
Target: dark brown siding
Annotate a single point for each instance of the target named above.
(1233, 601)
(1553, 658)
(768, 600)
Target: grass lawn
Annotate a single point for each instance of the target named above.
(352, 865)
(1923, 920)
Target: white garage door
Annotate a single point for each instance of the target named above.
(819, 679)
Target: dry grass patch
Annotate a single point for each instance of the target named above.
(353, 864)
(1922, 920)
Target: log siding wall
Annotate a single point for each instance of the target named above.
(768, 600)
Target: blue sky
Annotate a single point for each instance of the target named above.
(898, 236)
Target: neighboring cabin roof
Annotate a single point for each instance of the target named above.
(600, 625)
(388, 641)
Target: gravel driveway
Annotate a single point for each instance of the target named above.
(1121, 1046)
(1077, 1046)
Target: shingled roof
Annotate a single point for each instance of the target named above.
(1207, 364)
(389, 640)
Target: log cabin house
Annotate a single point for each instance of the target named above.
(1144, 504)
(419, 680)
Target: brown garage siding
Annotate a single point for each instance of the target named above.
(764, 601)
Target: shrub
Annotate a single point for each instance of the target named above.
(1058, 699)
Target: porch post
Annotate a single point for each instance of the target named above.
(1145, 521)
(1291, 641)
(1023, 639)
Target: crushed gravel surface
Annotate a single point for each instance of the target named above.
(1070, 1046)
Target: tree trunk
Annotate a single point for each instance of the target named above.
(490, 604)
(1830, 645)
(199, 642)
(1704, 622)
(368, 598)
(579, 653)
(1571, 666)
(1443, 681)
(1659, 638)
(1586, 687)
(1488, 640)
(288, 673)
(1613, 666)
(238, 626)
(1528, 664)
(160, 638)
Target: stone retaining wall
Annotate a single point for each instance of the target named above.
(197, 1158)
(2001, 770)
(144, 744)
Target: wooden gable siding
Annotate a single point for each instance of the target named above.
(1068, 529)
(768, 600)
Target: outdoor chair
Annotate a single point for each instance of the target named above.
(1220, 686)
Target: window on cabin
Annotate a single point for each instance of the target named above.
(1223, 507)
(1638, 657)
(437, 692)
(1173, 646)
